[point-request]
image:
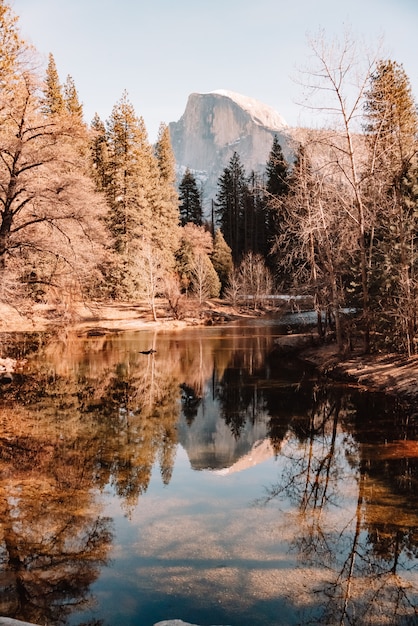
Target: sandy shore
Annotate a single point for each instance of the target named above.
(84, 316)
(120, 316)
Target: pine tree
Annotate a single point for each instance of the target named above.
(53, 101)
(277, 171)
(190, 204)
(391, 117)
(391, 132)
(71, 99)
(127, 189)
(99, 153)
(13, 49)
(165, 207)
(277, 187)
(222, 258)
(165, 156)
(231, 205)
(139, 184)
(258, 233)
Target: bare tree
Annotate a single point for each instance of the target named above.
(234, 287)
(316, 245)
(152, 272)
(251, 283)
(256, 279)
(49, 221)
(336, 85)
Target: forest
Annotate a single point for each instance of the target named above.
(94, 212)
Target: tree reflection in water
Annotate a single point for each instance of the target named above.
(368, 551)
(54, 539)
(98, 414)
(69, 428)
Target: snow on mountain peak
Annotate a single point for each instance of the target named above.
(261, 113)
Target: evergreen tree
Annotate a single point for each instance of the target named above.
(277, 171)
(139, 184)
(231, 205)
(391, 132)
(99, 153)
(165, 156)
(53, 100)
(257, 233)
(222, 258)
(165, 207)
(128, 182)
(277, 186)
(391, 118)
(190, 204)
(13, 48)
(71, 99)
(184, 262)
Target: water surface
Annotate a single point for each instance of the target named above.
(214, 480)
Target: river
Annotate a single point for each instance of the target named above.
(202, 475)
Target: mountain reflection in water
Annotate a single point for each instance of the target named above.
(213, 480)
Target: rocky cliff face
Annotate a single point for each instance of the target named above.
(217, 124)
(211, 445)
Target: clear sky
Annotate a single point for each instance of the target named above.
(160, 51)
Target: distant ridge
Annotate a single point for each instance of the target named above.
(216, 124)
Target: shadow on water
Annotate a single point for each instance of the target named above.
(203, 476)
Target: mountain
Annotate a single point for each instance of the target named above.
(214, 125)
(261, 451)
(211, 444)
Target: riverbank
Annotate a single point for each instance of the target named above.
(112, 317)
(392, 374)
(389, 373)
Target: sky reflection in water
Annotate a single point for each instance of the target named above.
(215, 481)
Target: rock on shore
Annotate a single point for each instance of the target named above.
(172, 622)
(8, 621)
